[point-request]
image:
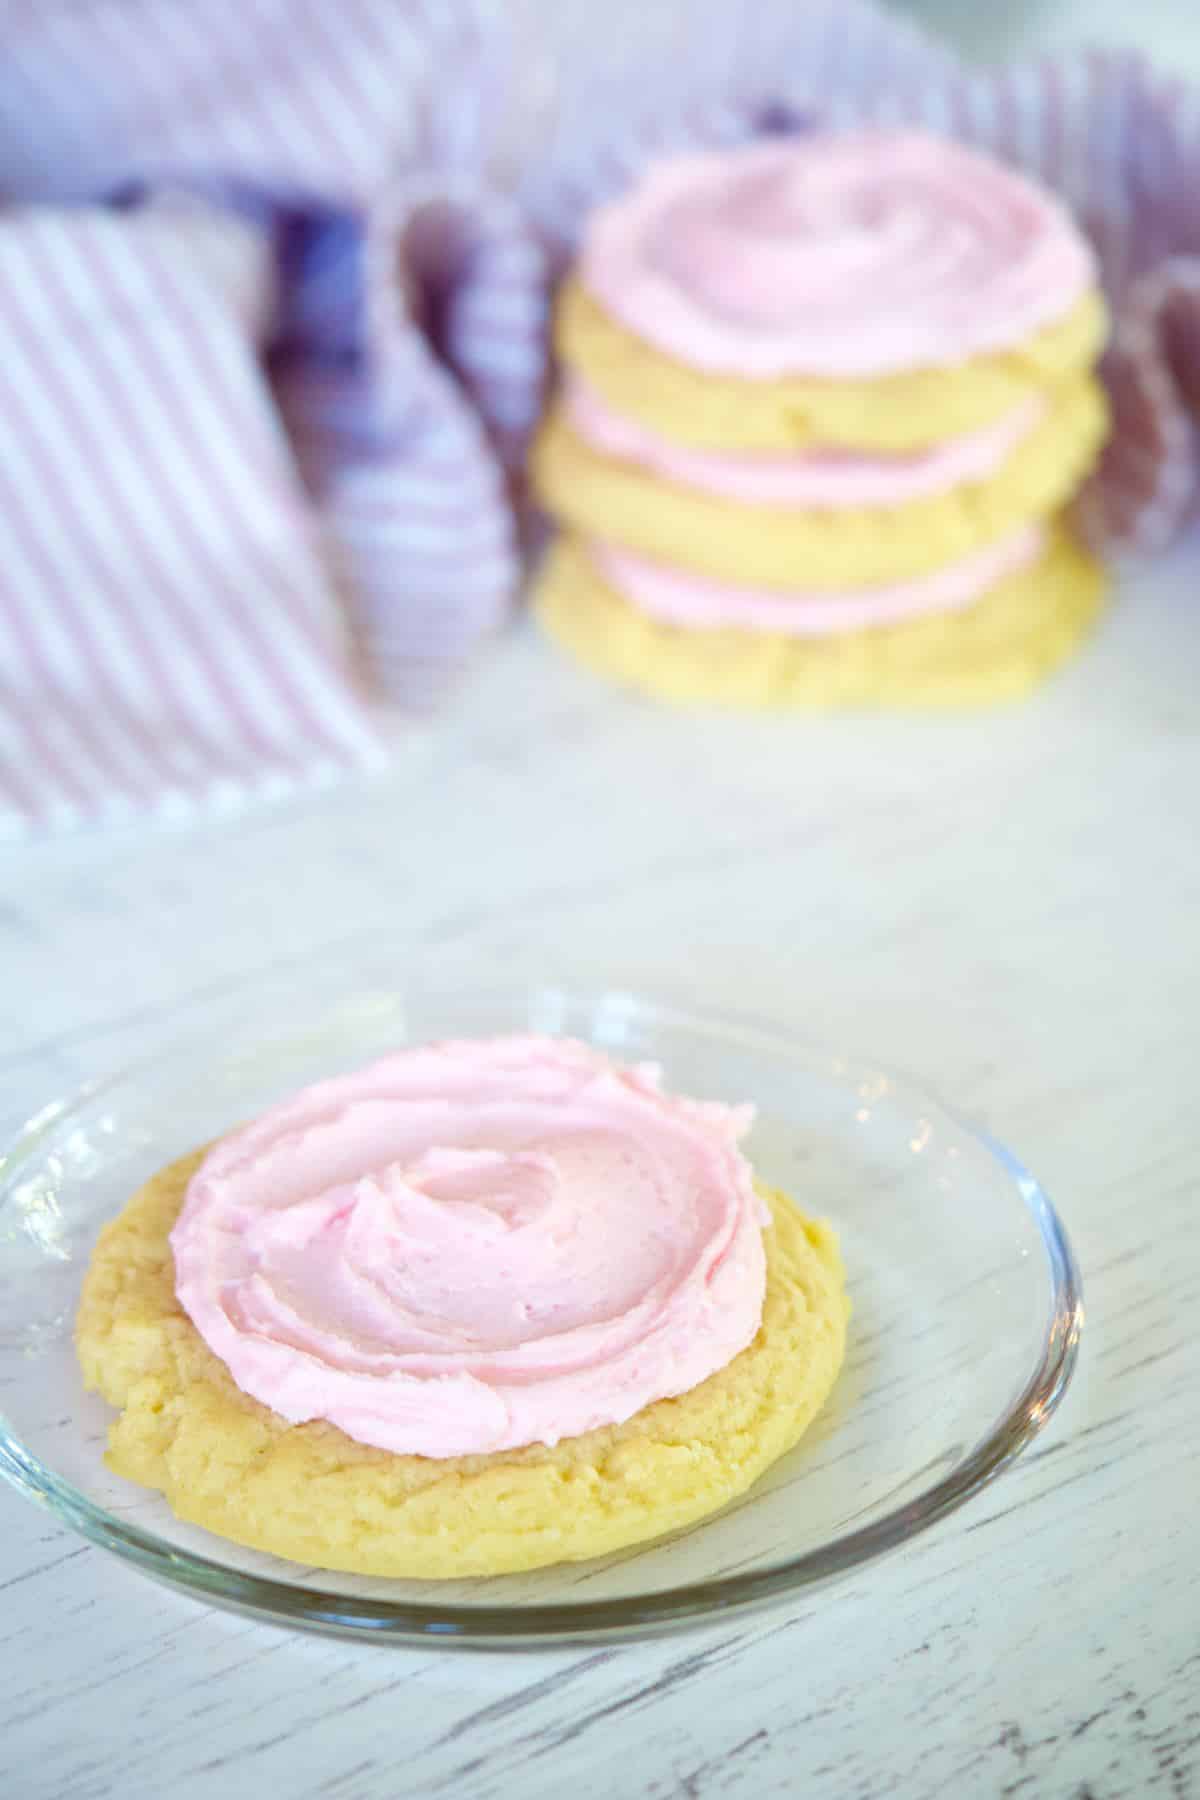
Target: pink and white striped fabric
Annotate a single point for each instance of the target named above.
(270, 345)
(273, 296)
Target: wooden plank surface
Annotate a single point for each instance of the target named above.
(1005, 905)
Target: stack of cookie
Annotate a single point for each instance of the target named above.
(824, 403)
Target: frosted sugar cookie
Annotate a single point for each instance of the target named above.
(478, 1308)
(995, 648)
(880, 290)
(838, 518)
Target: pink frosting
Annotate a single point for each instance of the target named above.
(819, 478)
(845, 255)
(678, 598)
(475, 1245)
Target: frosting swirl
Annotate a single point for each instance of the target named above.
(857, 254)
(475, 1245)
(677, 597)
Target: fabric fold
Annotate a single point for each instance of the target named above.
(273, 347)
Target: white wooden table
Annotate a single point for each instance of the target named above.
(1007, 904)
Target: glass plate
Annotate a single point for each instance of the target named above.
(964, 1331)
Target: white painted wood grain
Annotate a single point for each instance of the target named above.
(1004, 904)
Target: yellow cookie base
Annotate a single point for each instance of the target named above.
(310, 1493)
(776, 547)
(996, 650)
(906, 411)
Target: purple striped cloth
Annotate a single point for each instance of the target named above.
(273, 302)
(271, 346)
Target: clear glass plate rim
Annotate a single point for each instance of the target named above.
(532, 1626)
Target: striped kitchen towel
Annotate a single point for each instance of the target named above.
(273, 295)
(270, 345)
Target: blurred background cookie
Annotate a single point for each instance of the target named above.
(833, 387)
